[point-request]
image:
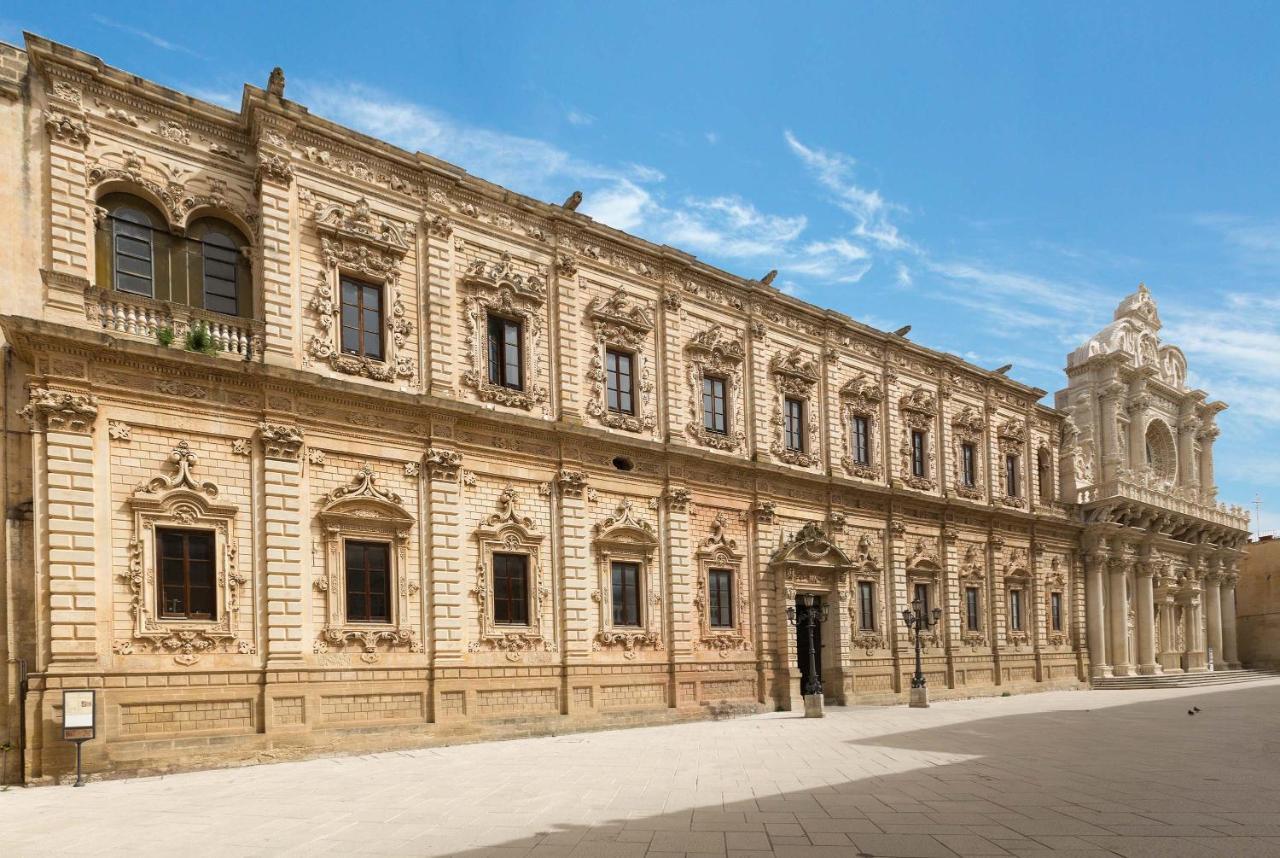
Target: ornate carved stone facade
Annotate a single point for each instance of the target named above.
(277, 434)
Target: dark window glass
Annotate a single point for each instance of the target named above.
(506, 356)
(917, 452)
(220, 261)
(1011, 475)
(714, 405)
(626, 594)
(1055, 611)
(617, 372)
(187, 576)
(361, 319)
(866, 606)
(973, 621)
(1046, 476)
(968, 465)
(368, 573)
(133, 246)
(1015, 609)
(511, 589)
(720, 601)
(921, 595)
(861, 441)
(794, 424)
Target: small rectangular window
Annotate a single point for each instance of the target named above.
(368, 575)
(134, 262)
(1015, 610)
(720, 598)
(361, 319)
(920, 594)
(794, 424)
(511, 589)
(1055, 611)
(1011, 475)
(968, 465)
(861, 441)
(973, 620)
(188, 574)
(867, 606)
(714, 406)
(506, 353)
(220, 281)
(617, 373)
(917, 453)
(626, 594)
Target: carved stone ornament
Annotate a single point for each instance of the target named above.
(363, 510)
(274, 167)
(623, 537)
(177, 199)
(795, 375)
(280, 441)
(498, 288)
(919, 408)
(508, 531)
(442, 464)
(622, 323)
(572, 483)
(678, 498)
(70, 129)
(967, 427)
(861, 397)
(1011, 439)
(973, 575)
(183, 501)
(60, 410)
(717, 351)
(719, 551)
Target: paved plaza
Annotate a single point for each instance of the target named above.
(1062, 773)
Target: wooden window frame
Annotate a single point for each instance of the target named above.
(362, 288)
(919, 453)
(794, 427)
(497, 329)
(615, 378)
(1012, 483)
(973, 608)
(860, 430)
(1017, 619)
(969, 464)
(716, 609)
(509, 600)
(867, 606)
(709, 417)
(367, 617)
(162, 584)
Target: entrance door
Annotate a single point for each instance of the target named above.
(802, 643)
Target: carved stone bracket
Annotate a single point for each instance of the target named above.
(280, 441)
(442, 464)
(60, 410)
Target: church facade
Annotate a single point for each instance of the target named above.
(316, 445)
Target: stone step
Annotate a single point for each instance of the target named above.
(1182, 680)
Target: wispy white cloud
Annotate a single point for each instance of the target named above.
(578, 117)
(146, 36)
(1254, 241)
(222, 98)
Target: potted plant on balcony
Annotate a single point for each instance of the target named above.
(199, 339)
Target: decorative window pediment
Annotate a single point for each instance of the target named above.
(811, 546)
(719, 551)
(919, 409)
(1055, 581)
(714, 352)
(498, 288)
(867, 568)
(795, 376)
(624, 538)
(924, 568)
(509, 532)
(1017, 577)
(357, 223)
(363, 511)
(861, 397)
(1011, 439)
(620, 322)
(973, 575)
(182, 501)
(967, 427)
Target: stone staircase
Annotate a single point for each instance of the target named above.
(1182, 680)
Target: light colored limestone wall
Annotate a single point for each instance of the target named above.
(1258, 604)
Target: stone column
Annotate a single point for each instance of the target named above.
(1137, 408)
(1193, 630)
(1146, 620)
(445, 573)
(1170, 659)
(1118, 618)
(1230, 653)
(1213, 608)
(1095, 612)
(1109, 457)
(1187, 429)
(282, 517)
(65, 514)
(1207, 436)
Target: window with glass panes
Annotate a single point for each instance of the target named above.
(968, 464)
(972, 619)
(368, 576)
(714, 404)
(794, 424)
(511, 589)
(506, 357)
(132, 252)
(1055, 611)
(861, 440)
(867, 606)
(626, 593)
(188, 578)
(361, 319)
(1011, 475)
(220, 258)
(617, 374)
(917, 452)
(921, 594)
(1015, 609)
(720, 598)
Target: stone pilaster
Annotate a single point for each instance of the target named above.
(70, 221)
(998, 605)
(1187, 429)
(1213, 612)
(1109, 399)
(1036, 611)
(1230, 651)
(283, 523)
(65, 512)
(573, 539)
(1207, 436)
(682, 573)
(278, 275)
(564, 337)
(441, 313)
(949, 599)
(1097, 563)
(447, 579)
(1145, 609)
(1170, 658)
(1118, 615)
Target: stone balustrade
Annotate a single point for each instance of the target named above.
(1216, 513)
(143, 317)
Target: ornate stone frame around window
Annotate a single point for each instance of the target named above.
(625, 325)
(795, 376)
(861, 397)
(182, 501)
(1056, 582)
(1018, 577)
(498, 288)
(357, 243)
(919, 409)
(363, 511)
(624, 538)
(866, 567)
(1011, 439)
(718, 551)
(509, 532)
(973, 574)
(966, 428)
(711, 353)
(924, 566)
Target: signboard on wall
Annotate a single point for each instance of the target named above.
(78, 712)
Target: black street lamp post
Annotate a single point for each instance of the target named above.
(919, 621)
(811, 615)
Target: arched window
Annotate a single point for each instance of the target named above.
(133, 247)
(218, 271)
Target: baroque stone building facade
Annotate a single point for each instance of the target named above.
(315, 444)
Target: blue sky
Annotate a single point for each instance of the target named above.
(996, 175)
